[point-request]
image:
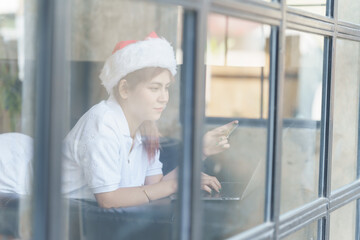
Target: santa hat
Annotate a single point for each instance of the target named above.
(129, 56)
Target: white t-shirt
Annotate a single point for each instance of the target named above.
(16, 154)
(97, 157)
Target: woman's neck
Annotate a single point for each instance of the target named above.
(133, 122)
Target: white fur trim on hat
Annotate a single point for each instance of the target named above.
(152, 52)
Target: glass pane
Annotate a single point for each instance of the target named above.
(346, 11)
(302, 115)
(237, 64)
(122, 139)
(342, 222)
(236, 98)
(17, 27)
(346, 113)
(317, 7)
(307, 233)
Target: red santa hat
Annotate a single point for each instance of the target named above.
(129, 56)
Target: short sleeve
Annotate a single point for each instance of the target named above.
(98, 154)
(155, 167)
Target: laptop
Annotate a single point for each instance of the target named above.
(234, 191)
(229, 191)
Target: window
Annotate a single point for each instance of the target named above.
(345, 11)
(271, 87)
(343, 218)
(317, 7)
(17, 95)
(237, 89)
(92, 42)
(345, 133)
(308, 232)
(302, 117)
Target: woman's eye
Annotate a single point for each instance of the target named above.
(154, 89)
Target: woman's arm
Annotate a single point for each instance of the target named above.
(207, 182)
(163, 187)
(133, 196)
(215, 141)
(157, 178)
(171, 175)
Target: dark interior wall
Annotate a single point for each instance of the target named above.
(86, 89)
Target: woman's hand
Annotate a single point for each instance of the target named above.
(209, 182)
(216, 140)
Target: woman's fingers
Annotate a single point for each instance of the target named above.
(206, 188)
(216, 140)
(211, 182)
(224, 129)
(217, 182)
(223, 141)
(205, 176)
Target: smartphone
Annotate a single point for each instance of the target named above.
(232, 130)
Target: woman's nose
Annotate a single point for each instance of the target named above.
(164, 96)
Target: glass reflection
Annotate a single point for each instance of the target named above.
(302, 113)
(346, 11)
(121, 154)
(236, 64)
(16, 117)
(317, 7)
(236, 94)
(307, 233)
(343, 222)
(346, 113)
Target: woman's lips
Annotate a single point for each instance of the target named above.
(159, 109)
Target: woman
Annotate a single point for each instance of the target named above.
(112, 152)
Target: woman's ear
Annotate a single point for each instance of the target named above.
(123, 89)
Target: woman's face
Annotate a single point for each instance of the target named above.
(148, 99)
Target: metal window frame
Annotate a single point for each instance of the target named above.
(47, 216)
(262, 123)
(46, 210)
(193, 116)
(357, 222)
(326, 133)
